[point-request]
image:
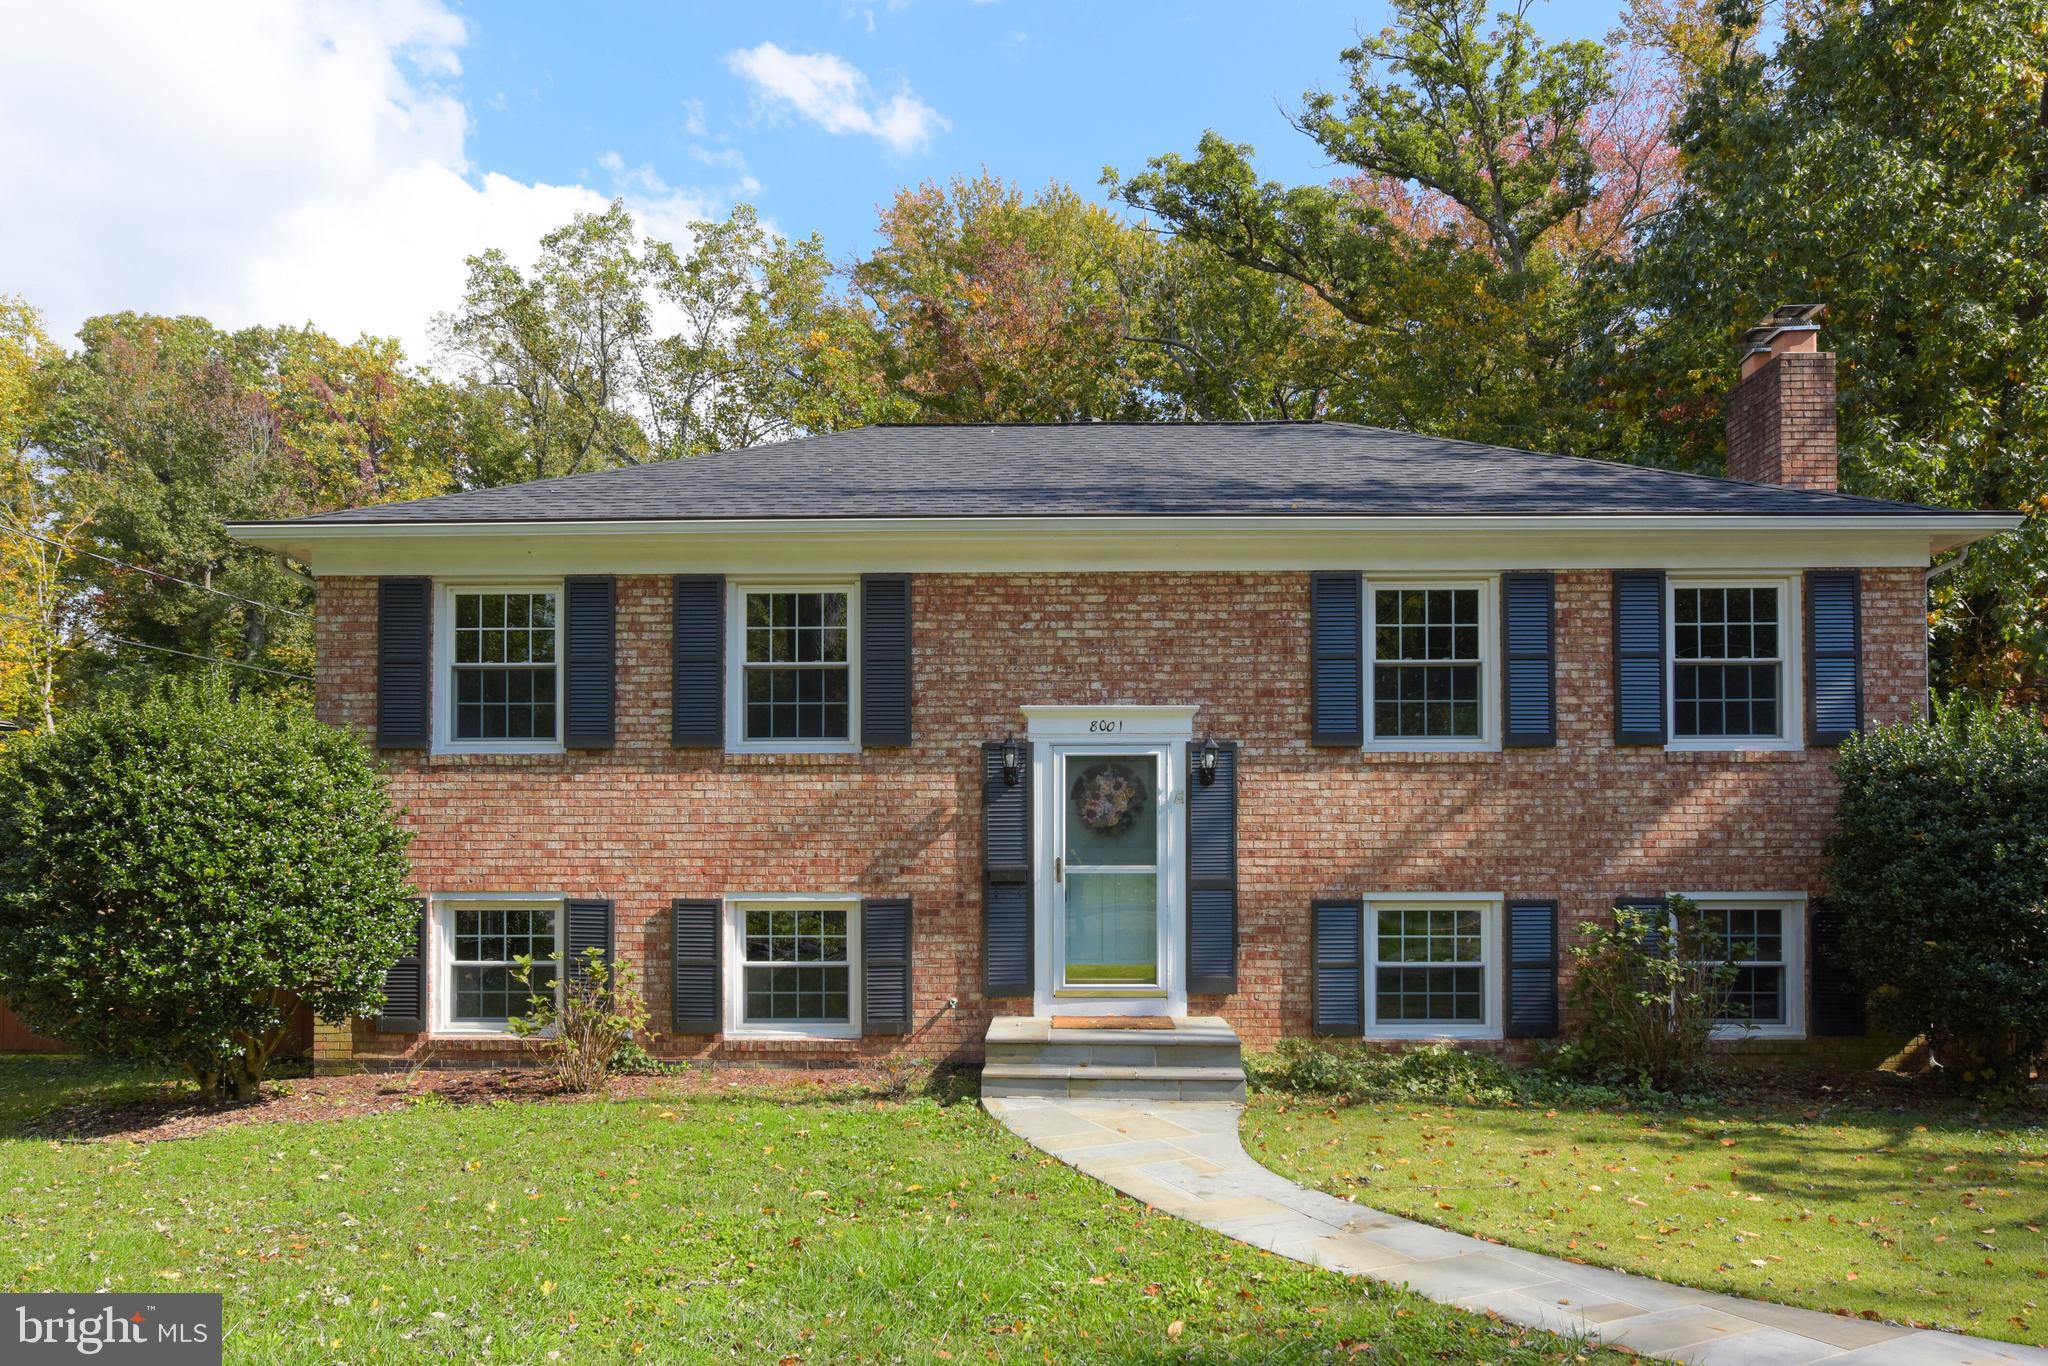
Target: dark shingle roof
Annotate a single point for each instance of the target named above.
(1304, 469)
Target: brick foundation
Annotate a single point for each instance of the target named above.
(1583, 823)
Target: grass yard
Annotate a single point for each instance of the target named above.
(748, 1227)
(1922, 1218)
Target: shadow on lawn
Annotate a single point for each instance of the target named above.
(1813, 1154)
(68, 1099)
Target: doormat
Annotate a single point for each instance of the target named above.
(1112, 1022)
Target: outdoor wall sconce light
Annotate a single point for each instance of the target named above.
(1013, 761)
(1205, 761)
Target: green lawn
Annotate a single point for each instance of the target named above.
(1912, 1217)
(746, 1228)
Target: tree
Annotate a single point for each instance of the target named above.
(998, 308)
(572, 362)
(1891, 162)
(1489, 171)
(38, 534)
(1940, 865)
(179, 871)
(364, 426)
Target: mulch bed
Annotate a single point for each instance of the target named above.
(178, 1113)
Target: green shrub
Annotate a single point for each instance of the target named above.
(1307, 1067)
(580, 1033)
(1940, 865)
(1648, 987)
(178, 872)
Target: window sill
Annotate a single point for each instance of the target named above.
(1733, 746)
(805, 1034)
(444, 751)
(1438, 1034)
(1738, 1033)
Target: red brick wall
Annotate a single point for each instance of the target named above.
(1583, 823)
(1781, 423)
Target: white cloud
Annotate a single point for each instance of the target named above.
(833, 93)
(260, 162)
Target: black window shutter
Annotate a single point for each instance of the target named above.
(1657, 926)
(405, 984)
(590, 927)
(695, 989)
(1532, 954)
(1529, 672)
(884, 660)
(885, 965)
(590, 667)
(1007, 950)
(1212, 874)
(1337, 685)
(1834, 655)
(1639, 657)
(405, 661)
(699, 662)
(1337, 977)
(1838, 992)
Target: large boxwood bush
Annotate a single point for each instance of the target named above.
(176, 872)
(1941, 866)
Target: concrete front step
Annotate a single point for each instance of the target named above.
(1197, 1059)
(1016, 1080)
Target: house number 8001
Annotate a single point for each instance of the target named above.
(1104, 727)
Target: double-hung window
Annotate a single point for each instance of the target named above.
(794, 656)
(1731, 652)
(480, 941)
(500, 681)
(1432, 966)
(1761, 936)
(1429, 680)
(793, 963)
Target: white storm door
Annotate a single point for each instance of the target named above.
(1110, 848)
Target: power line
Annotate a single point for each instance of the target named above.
(19, 530)
(210, 659)
(165, 649)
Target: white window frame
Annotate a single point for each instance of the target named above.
(1489, 666)
(441, 954)
(1794, 905)
(736, 666)
(1489, 905)
(737, 1026)
(444, 667)
(1791, 677)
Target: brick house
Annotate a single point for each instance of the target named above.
(859, 743)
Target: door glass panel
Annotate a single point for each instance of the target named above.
(1112, 932)
(1111, 923)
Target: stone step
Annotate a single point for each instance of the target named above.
(1055, 1081)
(1089, 1052)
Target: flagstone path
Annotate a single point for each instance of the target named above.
(1184, 1159)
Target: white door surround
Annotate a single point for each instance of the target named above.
(1115, 729)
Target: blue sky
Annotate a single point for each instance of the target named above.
(1034, 92)
(334, 161)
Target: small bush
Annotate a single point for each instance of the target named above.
(580, 1036)
(1940, 863)
(178, 873)
(1350, 1071)
(1649, 987)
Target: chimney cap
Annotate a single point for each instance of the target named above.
(1782, 319)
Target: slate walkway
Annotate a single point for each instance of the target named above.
(1184, 1159)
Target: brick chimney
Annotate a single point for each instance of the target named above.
(1781, 413)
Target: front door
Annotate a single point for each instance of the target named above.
(1109, 887)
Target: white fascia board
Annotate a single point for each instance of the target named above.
(1022, 544)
